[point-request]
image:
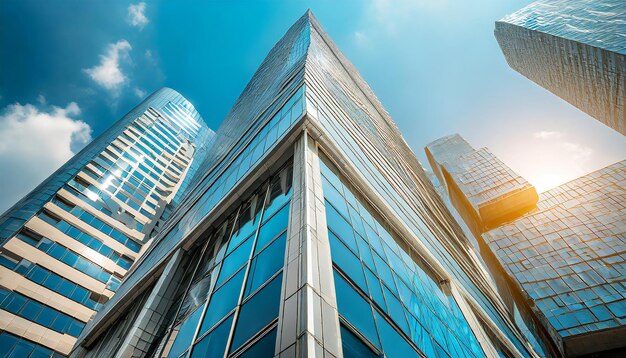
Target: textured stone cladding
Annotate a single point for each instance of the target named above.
(576, 49)
(569, 255)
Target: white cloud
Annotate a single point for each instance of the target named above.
(41, 99)
(108, 73)
(548, 134)
(34, 143)
(137, 15)
(139, 92)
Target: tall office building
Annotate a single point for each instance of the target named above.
(575, 49)
(313, 231)
(565, 253)
(65, 247)
(569, 255)
(484, 191)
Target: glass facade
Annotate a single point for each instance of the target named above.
(559, 262)
(67, 245)
(260, 261)
(573, 48)
(568, 255)
(377, 278)
(235, 290)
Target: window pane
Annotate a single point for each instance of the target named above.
(258, 312)
(396, 311)
(214, 344)
(334, 197)
(185, 334)
(31, 310)
(346, 260)
(340, 226)
(246, 222)
(266, 263)
(263, 348)
(272, 228)
(353, 346)
(235, 260)
(376, 291)
(223, 301)
(394, 345)
(21, 349)
(355, 309)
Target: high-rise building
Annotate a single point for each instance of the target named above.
(65, 247)
(484, 191)
(313, 231)
(569, 255)
(575, 49)
(565, 254)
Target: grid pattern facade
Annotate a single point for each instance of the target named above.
(354, 124)
(304, 99)
(383, 293)
(484, 190)
(569, 254)
(483, 177)
(574, 49)
(61, 261)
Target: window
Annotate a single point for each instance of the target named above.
(394, 345)
(272, 227)
(223, 301)
(353, 346)
(185, 333)
(355, 309)
(257, 312)
(236, 259)
(214, 343)
(262, 347)
(347, 261)
(266, 264)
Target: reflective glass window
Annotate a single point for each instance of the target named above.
(393, 344)
(214, 343)
(185, 333)
(262, 348)
(223, 301)
(347, 261)
(236, 259)
(272, 227)
(257, 312)
(353, 346)
(266, 263)
(340, 227)
(355, 309)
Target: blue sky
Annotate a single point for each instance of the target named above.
(71, 68)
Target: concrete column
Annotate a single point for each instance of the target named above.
(144, 329)
(308, 324)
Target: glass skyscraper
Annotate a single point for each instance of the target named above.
(66, 246)
(569, 255)
(311, 230)
(576, 49)
(563, 254)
